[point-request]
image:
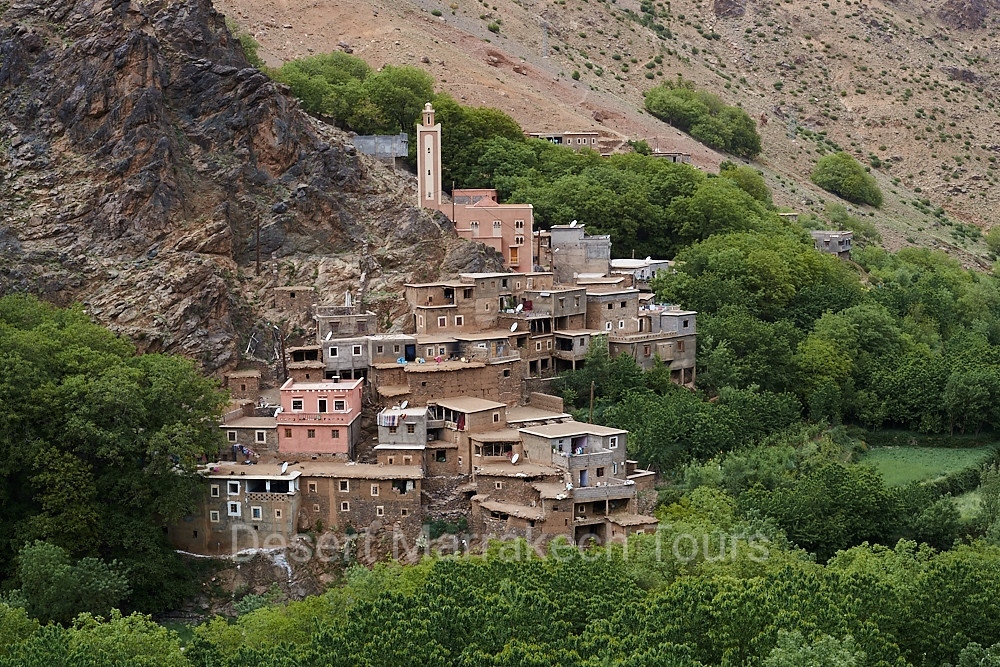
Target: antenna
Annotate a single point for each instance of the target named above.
(284, 467)
(513, 327)
(402, 406)
(519, 308)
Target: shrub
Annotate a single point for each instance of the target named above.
(842, 175)
(993, 239)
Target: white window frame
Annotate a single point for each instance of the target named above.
(459, 320)
(256, 513)
(260, 436)
(613, 442)
(442, 322)
(301, 402)
(607, 326)
(339, 405)
(621, 324)
(277, 513)
(345, 506)
(232, 488)
(374, 490)
(345, 486)
(234, 509)
(356, 351)
(231, 435)
(334, 352)
(379, 510)
(213, 516)
(214, 491)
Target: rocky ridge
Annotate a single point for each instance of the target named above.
(139, 152)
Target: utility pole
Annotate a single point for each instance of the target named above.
(257, 243)
(591, 420)
(453, 201)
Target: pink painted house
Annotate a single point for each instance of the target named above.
(320, 417)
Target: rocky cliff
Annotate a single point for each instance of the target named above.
(139, 153)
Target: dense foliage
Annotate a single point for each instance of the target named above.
(842, 175)
(705, 117)
(97, 450)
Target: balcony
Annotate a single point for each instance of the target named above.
(570, 355)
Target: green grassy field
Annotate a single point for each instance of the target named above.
(902, 465)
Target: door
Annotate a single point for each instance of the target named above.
(583, 478)
(410, 353)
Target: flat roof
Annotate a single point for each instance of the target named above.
(430, 339)
(440, 283)
(468, 403)
(233, 469)
(396, 447)
(492, 334)
(292, 288)
(570, 428)
(553, 490)
(636, 263)
(506, 469)
(434, 367)
(520, 511)
(299, 348)
(409, 412)
(613, 292)
(358, 470)
(306, 364)
(391, 336)
(577, 332)
(503, 435)
(527, 413)
(291, 384)
(632, 519)
(251, 373)
(251, 422)
(392, 390)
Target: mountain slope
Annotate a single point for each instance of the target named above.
(138, 154)
(907, 85)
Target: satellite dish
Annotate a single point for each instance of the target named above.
(573, 224)
(514, 459)
(329, 335)
(519, 308)
(513, 327)
(402, 406)
(284, 467)
(648, 258)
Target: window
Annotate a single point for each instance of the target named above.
(333, 351)
(345, 506)
(519, 224)
(378, 349)
(441, 456)
(624, 304)
(312, 487)
(213, 516)
(613, 442)
(345, 485)
(514, 256)
(621, 324)
(538, 346)
(321, 405)
(459, 320)
(607, 325)
(233, 509)
(379, 510)
(503, 283)
(407, 460)
(411, 428)
(288, 432)
(392, 460)
(231, 435)
(498, 485)
(614, 468)
(339, 405)
(497, 228)
(685, 324)
(459, 461)
(233, 488)
(611, 306)
(374, 489)
(277, 514)
(311, 433)
(261, 436)
(297, 405)
(393, 429)
(420, 320)
(214, 491)
(506, 372)
(680, 346)
(600, 472)
(474, 225)
(496, 417)
(441, 350)
(316, 507)
(335, 433)
(395, 349)
(256, 513)
(548, 345)
(646, 349)
(467, 293)
(404, 512)
(356, 350)
(487, 306)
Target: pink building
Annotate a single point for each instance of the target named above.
(476, 213)
(320, 417)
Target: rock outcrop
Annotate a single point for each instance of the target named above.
(139, 156)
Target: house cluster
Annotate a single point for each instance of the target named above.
(464, 426)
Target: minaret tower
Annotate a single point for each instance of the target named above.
(429, 161)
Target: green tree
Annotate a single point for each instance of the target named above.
(841, 174)
(793, 650)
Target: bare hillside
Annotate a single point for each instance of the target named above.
(909, 87)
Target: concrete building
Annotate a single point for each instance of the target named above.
(575, 140)
(640, 270)
(834, 242)
(567, 251)
(321, 417)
